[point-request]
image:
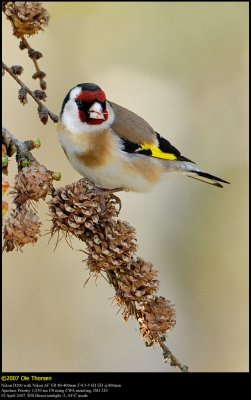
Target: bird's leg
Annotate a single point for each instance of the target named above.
(86, 180)
(111, 191)
(102, 192)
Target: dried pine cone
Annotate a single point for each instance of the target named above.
(20, 228)
(111, 245)
(156, 318)
(32, 183)
(128, 307)
(77, 207)
(137, 281)
(27, 17)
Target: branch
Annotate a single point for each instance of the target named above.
(34, 55)
(42, 110)
(24, 157)
(91, 214)
(167, 354)
(22, 149)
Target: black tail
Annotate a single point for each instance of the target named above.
(204, 177)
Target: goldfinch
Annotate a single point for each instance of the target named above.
(114, 147)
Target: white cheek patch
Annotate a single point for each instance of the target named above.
(70, 116)
(75, 92)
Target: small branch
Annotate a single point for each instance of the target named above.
(168, 355)
(53, 116)
(22, 85)
(39, 73)
(27, 45)
(22, 149)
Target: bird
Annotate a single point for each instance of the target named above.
(115, 148)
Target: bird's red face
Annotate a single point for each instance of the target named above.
(85, 109)
(92, 106)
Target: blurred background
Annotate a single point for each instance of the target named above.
(184, 68)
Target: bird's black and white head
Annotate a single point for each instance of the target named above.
(86, 109)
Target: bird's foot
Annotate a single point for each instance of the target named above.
(102, 191)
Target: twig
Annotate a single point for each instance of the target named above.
(53, 116)
(22, 149)
(40, 74)
(168, 355)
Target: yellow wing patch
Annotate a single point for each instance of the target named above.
(156, 152)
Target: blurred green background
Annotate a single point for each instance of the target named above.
(184, 68)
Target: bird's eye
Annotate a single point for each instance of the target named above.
(79, 102)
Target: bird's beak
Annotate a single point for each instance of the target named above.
(96, 111)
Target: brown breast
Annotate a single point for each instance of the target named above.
(100, 149)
